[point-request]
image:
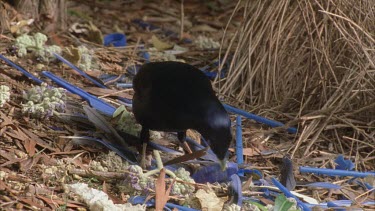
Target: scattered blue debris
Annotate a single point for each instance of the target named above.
(335, 206)
(326, 185)
(257, 118)
(62, 59)
(126, 154)
(151, 27)
(239, 147)
(124, 85)
(213, 173)
(235, 190)
(366, 185)
(335, 172)
(22, 70)
(286, 171)
(150, 203)
(344, 164)
(115, 39)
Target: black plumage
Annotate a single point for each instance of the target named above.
(174, 96)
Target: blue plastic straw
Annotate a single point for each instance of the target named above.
(239, 147)
(288, 194)
(79, 71)
(22, 70)
(257, 118)
(124, 85)
(335, 172)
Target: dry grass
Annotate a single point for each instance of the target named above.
(308, 61)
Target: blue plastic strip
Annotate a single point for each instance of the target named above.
(116, 39)
(257, 118)
(323, 185)
(95, 102)
(125, 153)
(236, 192)
(22, 70)
(239, 144)
(142, 200)
(335, 172)
(124, 85)
(79, 70)
(288, 194)
(213, 173)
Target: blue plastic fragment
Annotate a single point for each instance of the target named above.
(95, 102)
(239, 145)
(366, 185)
(257, 118)
(152, 27)
(323, 185)
(124, 85)
(286, 171)
(125, 153)
(144, 54)
(344, 164)
(142, 200)
(336, 207)
(213, 173)
(288, 194)
(341, 204)
(97, 83)
(115, 39)
(335, 172)
(235, 190)
(22, 70)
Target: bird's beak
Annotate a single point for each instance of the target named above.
(223, 164)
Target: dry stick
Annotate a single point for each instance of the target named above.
(350, 21)
(182, 20)
(324, 51)
(222, 39)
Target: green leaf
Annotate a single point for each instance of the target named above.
(282, 203)
(261, 207)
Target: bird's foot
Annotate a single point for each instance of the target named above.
(145, 162)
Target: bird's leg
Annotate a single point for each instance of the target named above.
(145, 138)
(182, 138)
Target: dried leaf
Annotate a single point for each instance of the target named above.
(29, 145)
(160, 45)
(209, 200)
(203, 28)
(160, 192)
(162, 195)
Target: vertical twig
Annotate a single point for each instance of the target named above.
(182, 20)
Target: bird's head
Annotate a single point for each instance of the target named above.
(219, 136)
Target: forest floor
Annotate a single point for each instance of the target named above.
(39, 157)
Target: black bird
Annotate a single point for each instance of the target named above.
(174, 96)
